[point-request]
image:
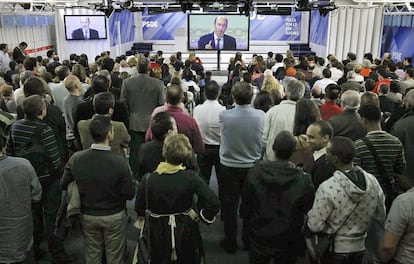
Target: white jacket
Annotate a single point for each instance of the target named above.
(334, 201)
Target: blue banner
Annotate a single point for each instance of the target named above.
(276, 28)
(162, 26)
(318, 28)
(397, 37)
(262, 27)
(127, 24)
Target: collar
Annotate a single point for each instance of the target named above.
(319, 153)
(243, 106)
(101, 147)
(288, 102)
(165, 167)
(376, 132)
(216, 37)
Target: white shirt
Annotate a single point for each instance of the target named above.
(207, 117)
(221, 41)
(323, 83)
(336, 74)
(59, 92)
(4, 62)
(277, 65)
(279, 117)
(319, 153)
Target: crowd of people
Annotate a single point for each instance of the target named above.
(299, 146)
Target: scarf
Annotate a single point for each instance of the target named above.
(165, 167)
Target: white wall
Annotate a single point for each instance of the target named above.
(36, 37)
(355, 29)
(66, 47)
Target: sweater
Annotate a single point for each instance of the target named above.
(103, 178)
(336, 198)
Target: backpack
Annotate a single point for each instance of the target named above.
(35, 152)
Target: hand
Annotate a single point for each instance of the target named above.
(208, 46)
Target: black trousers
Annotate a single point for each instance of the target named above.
(231, 186)
(260, 254)
(345, 258)
(206, 160)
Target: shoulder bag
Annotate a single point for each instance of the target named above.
(144, 244)
(318, 244)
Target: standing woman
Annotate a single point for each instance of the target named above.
(174, 232)
(306, 113)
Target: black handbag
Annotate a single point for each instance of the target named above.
(144, 244)
(318, 244)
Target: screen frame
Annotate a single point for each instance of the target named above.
(217, 14)
(71, 39)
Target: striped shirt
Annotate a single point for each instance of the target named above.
(390, 152)
(21, 133)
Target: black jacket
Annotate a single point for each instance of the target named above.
(276, 196)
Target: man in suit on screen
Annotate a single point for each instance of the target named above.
(217, 39)
(85, 32)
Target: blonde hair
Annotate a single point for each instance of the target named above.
(177, 149)
(271, 85)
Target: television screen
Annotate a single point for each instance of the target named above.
(85, 27)
(218, 31)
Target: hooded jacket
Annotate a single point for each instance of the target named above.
(337, 197)
(276, 196)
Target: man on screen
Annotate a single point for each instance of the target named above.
(217, 39)
(85, 32)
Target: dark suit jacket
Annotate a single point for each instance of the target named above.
(18, 55)
(348, 124)
(78, 34)
(229, 42)
(141, 94)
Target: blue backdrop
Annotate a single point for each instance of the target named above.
(318, 29)
(274, 28)
(127, 25)
(398, 36)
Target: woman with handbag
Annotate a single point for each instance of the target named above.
(165, 198)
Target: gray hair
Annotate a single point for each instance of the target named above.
(295, 90)
(350, 100)
(409, 99)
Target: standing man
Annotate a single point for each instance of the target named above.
(318, 135)
(389, 149)
(403, 129)
(217, 39)
(346, 205)
(45, 158)
(23, 188)
(85, 32)
(282, 116)
(70, 103)
(348, 123)
(398, 241)
(18, 52)
(276, 191)
(104, 186)
(4, 58)
(141, 94)
(240, 147)
(207, 117)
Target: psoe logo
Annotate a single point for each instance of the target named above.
(150, 24)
